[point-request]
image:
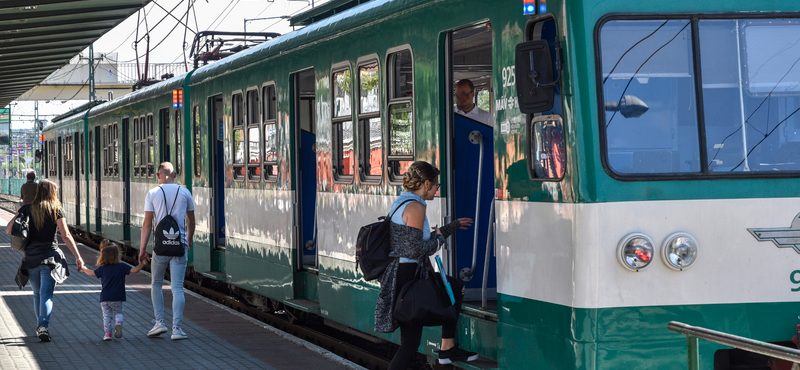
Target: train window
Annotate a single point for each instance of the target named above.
(105, 151)
(546, 155)
(253, 136)
(400, 76)
(91, 152)
(751, 95)
(370, 130)
(196, 134)
(151, 146)
(115, 141)
(270, 163)
(649, 93)
(239, 150)
(137, 158)
(342, 124)
(178, 152)
(82, 151)
(164, 135)
(66, 155)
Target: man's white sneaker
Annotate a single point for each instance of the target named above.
(157, 330)
(177, 333)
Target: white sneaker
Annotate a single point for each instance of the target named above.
(177, 333)
(157, 330)
(118, 330)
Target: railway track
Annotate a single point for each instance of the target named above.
(372, 354)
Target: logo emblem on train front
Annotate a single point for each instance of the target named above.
(788, 237)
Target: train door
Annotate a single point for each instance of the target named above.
(470, 163)
(305, 167)
(98, 178)
(125, 159)
(217, 126)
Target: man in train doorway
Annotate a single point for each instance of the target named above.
(28, 189)
(465, 104)
(181, 207)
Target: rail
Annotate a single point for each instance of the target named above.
(693, 333)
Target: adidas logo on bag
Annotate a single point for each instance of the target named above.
(171, 235)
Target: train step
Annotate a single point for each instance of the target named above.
(479, 364)
(303, 305)
(218, 275)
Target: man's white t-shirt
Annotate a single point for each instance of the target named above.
(477, 114)
(154, 202)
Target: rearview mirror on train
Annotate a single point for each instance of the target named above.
(534, 76)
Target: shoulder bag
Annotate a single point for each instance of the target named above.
(424, 302)
(19, 231)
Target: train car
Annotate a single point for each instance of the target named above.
(640, 168)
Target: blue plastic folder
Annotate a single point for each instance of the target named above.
(444, 278)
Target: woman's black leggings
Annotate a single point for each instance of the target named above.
(410, 336)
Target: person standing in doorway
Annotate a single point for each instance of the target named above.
(465, 104)
(173, 199)
(28, 189)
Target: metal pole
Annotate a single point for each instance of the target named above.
(91, 73)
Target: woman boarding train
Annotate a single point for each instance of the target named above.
(412, 245)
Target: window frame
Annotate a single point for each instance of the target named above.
(695, 48)
(238, 122)
(337, 123)
(269, 116)
(149, 139)
(391, 100)
(253, 121)
(196, 143)
(363, 124)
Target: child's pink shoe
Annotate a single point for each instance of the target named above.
(107, 336)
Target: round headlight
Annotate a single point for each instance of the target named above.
(635, 251)
(679, 250)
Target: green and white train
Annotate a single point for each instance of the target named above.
(642, 167)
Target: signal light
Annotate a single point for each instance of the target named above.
(177, 98)
(41, 139)
(529, 7)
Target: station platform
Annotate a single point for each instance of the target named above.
(218, 337)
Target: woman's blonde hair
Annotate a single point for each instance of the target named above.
(109, 254)
(45, 203)
(418, 173)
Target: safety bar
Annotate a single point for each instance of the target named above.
(465, 274)
(486, 259)
(751, 345)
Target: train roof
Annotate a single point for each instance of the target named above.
(351, 18)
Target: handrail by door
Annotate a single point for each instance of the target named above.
(465, 274)
(486, 258)
(751, 345)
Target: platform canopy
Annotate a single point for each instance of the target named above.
(39, 36)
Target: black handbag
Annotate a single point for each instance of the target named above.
(424, 302)
(372, 246)
(19, 230)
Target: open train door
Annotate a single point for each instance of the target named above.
(470, 162)
(305, 168)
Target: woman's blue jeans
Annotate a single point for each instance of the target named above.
(43, 286)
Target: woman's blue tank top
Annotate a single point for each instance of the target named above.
(398, 217)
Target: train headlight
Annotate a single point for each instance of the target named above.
(679, 250)
(635, 251)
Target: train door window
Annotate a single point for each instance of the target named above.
(239, 149)
(53, 157)
(115, 144)
(137, 159)
(400, 78)
(67, 160)
(253, 136)
(81, 157)
(648, 98)
(91, 152)
(270, 116)
(164, 135)
(342, 124)
(151, 146)
(105, 150)
(178, 152)
(196, 135)
(370, 130)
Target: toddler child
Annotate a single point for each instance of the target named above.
(112, 276)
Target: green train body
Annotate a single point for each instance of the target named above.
(291, 146)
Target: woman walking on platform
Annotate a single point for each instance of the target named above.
(412, 243)
(44, 263)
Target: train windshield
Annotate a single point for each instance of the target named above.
(749, 99)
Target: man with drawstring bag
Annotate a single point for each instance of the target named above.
(172, 207)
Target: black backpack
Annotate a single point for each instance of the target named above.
(372, 246)
(168, 238)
